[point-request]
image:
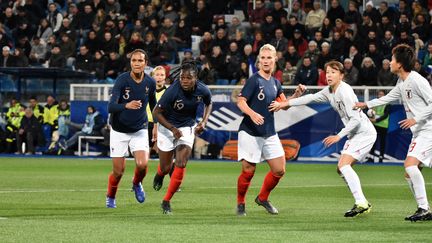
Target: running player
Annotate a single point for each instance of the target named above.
(130, 95)
(257, 138)
(358, 128)
(416, 95)
(176, 113)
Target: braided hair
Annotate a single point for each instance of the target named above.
(189, 65)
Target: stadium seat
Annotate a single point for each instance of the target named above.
(222, 82)
(7, 85)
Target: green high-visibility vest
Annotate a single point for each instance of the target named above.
(379, 110)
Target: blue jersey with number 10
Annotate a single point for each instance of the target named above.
(259, 94)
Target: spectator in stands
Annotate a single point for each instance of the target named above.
(385, 25)
(371, 12)
(182, 35)
(427, 60)
(44, 30)
(352, 17)
(314, 18)
(268, 28)
(201, 19)
(56, 59)
(350, 72)
(390, 13)
(387, 44)
(278, 11)
(217, 62)
(136, 42)
(168, 12)
(298, 12)
(257, 42)
(368, 72)
(257, 15)
(167, 50)
(220, 23)
(113, 67)
(404, 8)
(168, 27)
(20, 59)
(292, 56)
(318, 38)
(30, 133)
(249, 57)
(112, 7)
(123, 29)
(375, 54)
(240, 40)
(187, 56)
(313, 52)
(366, 26)
(207, 73)
(38, 51)
(67, 28)
(92, 42)
(418, 44)
(24, 44)
(326, 29)
(298, 42)
(324, 56)
(221, 40)
(337, 46)
(98, 67)
(307, 74)
(233, 61)
(67, 49)
(92, 127)
(84, 60)
(403, 24)
(54, 17)
(85, 19)
(6, 59)
(335, 11)
(355, 56)
(279, 42)
(405, 39)
(109, 44)
(385, 77)
(206, 46)
(235, 27)
(419, 68)
(293, 25)
(288, 74)
(9, 19)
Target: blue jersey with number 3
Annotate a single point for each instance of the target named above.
(180, 107)
(259, 94)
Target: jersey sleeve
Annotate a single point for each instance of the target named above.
(113, 105)
(248, 89)
(318, 97)
(425, 92)
(152, 95)
(354, 116)
(207, 96)
(393, 95)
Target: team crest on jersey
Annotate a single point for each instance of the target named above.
(199, 98)
(146, 90)
(408, 93)
(178, 104)
(126, 94)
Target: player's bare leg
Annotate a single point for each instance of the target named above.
(243, 183)
(141, 161)
(277, 170)
(114, 178)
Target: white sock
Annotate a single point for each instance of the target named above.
(410, 185)
(418, 186)
(353, 182)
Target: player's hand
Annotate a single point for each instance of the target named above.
(154, 132)
(257, 118)
(176, 132)
(359, 105)
(407, 123)
(373, 120)
(276, 106)
(300, 90)
(21, 131)
(134, 105)
(200, 128)
(330, 140)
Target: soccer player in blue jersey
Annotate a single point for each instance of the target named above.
(257, 138)
(176, 114)
(131, 93)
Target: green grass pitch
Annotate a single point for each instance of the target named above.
(63, 200)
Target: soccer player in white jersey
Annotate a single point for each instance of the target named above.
(358, 128)
(416, 95)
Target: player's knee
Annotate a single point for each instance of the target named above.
(118, 174)
(181, 163)
(279, 173)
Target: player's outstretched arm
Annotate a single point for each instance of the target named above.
(360, 105)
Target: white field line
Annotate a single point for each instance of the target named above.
(200, 188)
(3, 218)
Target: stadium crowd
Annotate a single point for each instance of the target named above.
(96, 35)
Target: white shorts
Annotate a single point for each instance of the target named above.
(359, 145)
(256, 149)
(421, 148)
(119, 142)
(167, 142)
